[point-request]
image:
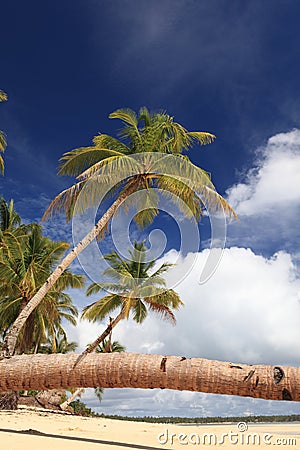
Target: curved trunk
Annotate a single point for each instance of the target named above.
(130, 370)
(100, 338)
(12, 336)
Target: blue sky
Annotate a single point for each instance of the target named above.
(227, 67)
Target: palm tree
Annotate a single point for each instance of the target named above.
(9, 218)
(149, 154)
(107, 346)
(26, 260)
(58, 344)
(133, 290)
(148, 371)
(3, 97)
(104, 347)
(55, 344)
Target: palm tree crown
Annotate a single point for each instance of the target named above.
(133, 289)
(148, 152)
(26, 260)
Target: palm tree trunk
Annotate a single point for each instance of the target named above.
(106, 332)
(12, 336)
(64, 405)
(129, 370)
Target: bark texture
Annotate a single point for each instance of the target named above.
(9, 400)
(130, 370)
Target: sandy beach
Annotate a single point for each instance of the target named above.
(40, 429)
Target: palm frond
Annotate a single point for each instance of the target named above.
(162, 311)
(64, 202)
(139, 311)
(101, 308)
(94, 288)
(76, 161)
(202, 137)
(70, 280)
(3, 142)
(106, 141)
(162, 269)
(99, 393)
(3, 96)
(127, 115)
(182, 195)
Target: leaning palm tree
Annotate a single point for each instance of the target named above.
(147, 155)
(132, 290)
(3, 97)
(26, 260)
(148, 371)
(107, 347)
(104, 347)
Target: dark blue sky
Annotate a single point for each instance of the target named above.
(225, 66)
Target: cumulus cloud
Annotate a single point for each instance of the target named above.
(273, 186)
(247, 312)
(267, 199)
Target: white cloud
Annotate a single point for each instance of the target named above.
(273, 186)
(238, 314)
(249, 311)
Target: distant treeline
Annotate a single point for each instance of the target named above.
(81, 409)
(248, 419)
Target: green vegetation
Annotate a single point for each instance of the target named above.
(124, 166)
(81, 409)
(134, 290)
(26, 260)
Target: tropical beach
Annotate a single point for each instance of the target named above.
(149, 224)
(26, 429)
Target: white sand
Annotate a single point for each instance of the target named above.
(72, 432)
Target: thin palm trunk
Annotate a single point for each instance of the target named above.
(101, 338)
(12, 336)
(129, 370)
(64, 405)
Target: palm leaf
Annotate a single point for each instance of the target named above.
(139, 311)
(64, 202)
(101, 308)
(127, 115)
(76, 161)
(202, 137)
(161, 310)
(3, 96)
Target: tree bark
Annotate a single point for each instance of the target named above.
(129, 370)
(12, 336)
(100, 338)
(9, 400)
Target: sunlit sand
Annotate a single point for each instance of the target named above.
(40, 429)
